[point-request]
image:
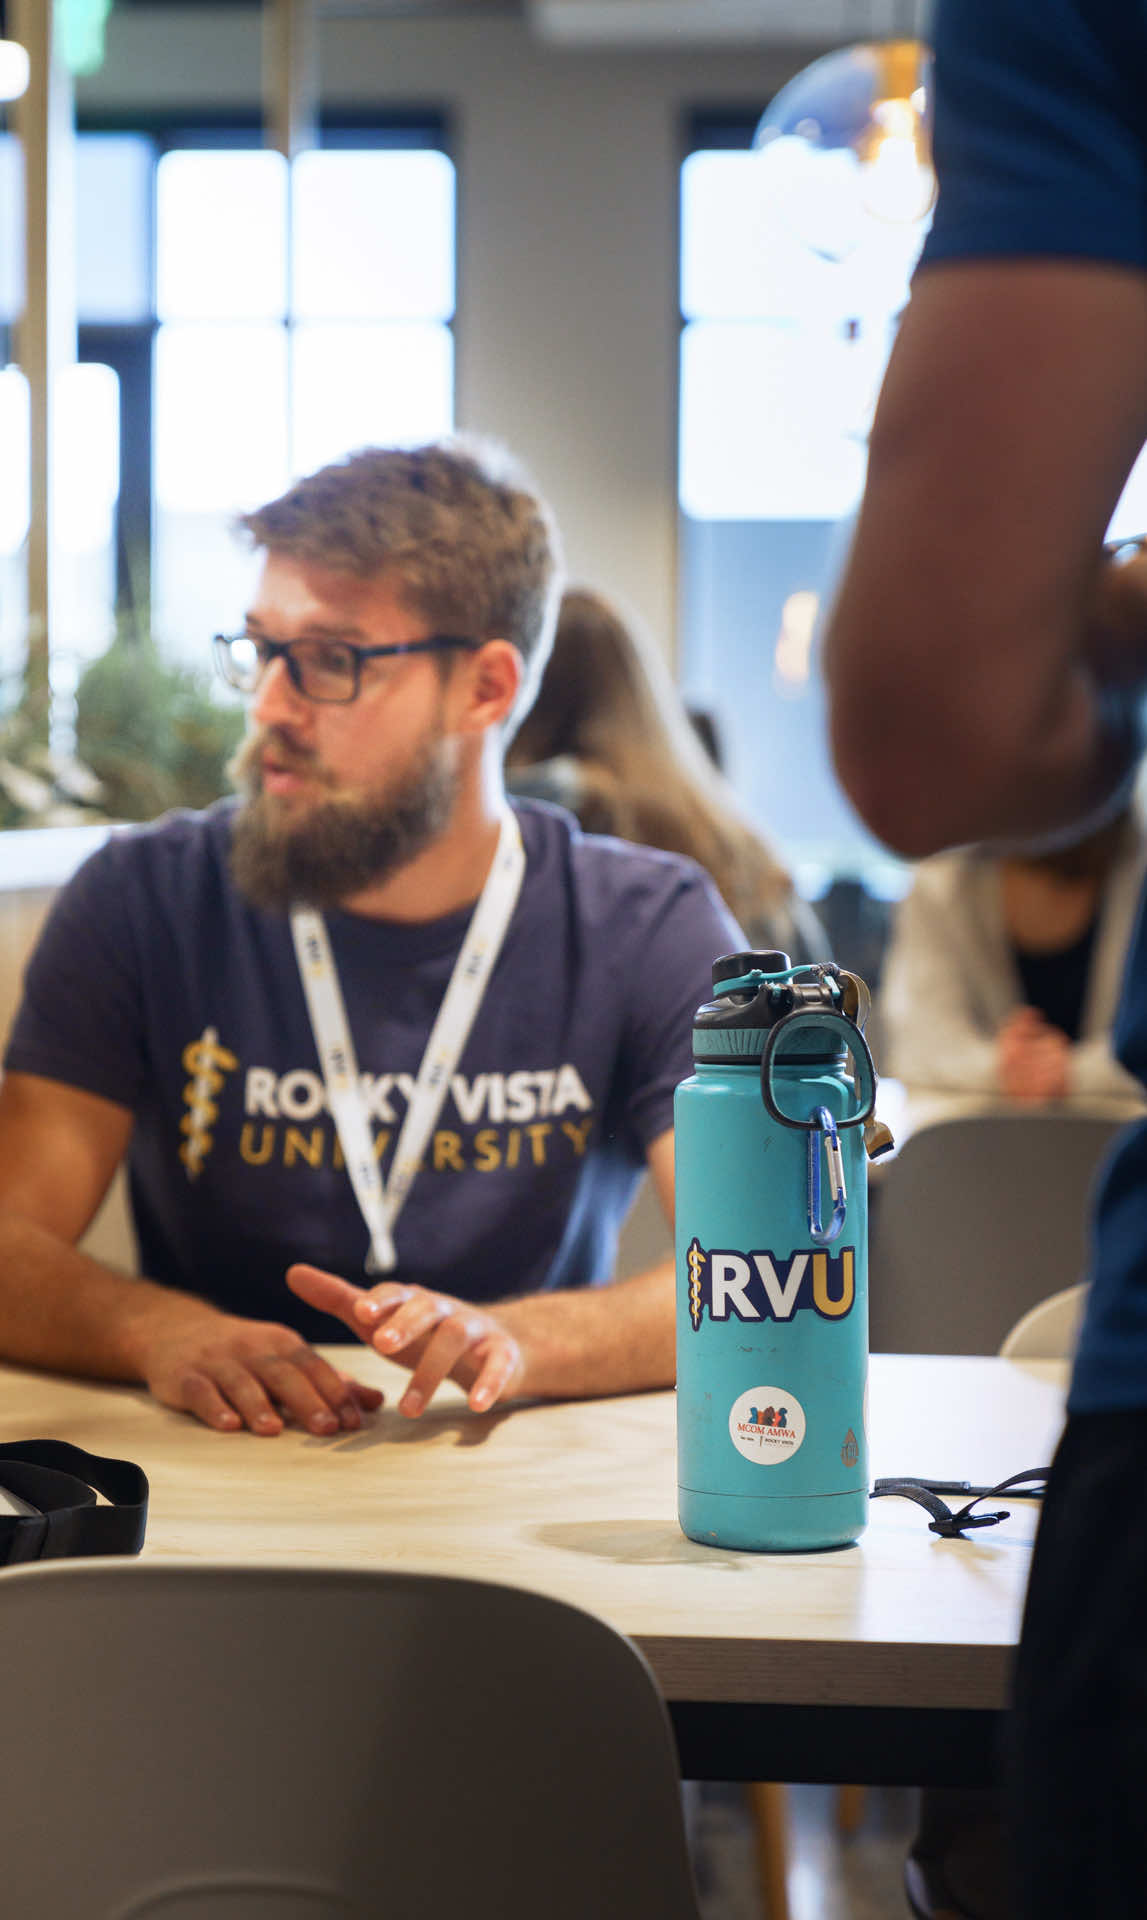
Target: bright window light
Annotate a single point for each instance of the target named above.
(738, 259)
(373, 236)
(743, 254)
(15, 70)
(1130, 517)
(14, 504)
(220, 417)
(86, 457)
(368, 386)
(11, 227)
(221, 247)
(113, 227)
(774, 419)
(248, 392)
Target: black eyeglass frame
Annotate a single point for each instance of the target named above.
(284, 650)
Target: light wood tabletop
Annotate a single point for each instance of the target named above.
(578, 1500)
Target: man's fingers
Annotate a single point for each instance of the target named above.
(333, 1387)
(498, 1373)
(201, 1397)
(493, 1357)
(326, 1292)
(358, 1308)
(411, 1322)
(368, 1398)
(433, 1333)
(452, 1339)
(237, 1386)
(286, 1378)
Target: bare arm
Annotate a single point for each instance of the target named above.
(555, 1346)
(59, 1149)
(978, 657)
(617, 1339)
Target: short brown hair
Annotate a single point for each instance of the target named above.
(469, 547)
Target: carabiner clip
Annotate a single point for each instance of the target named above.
(824, 1128)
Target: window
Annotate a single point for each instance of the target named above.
(787, 321)
(300, 315)
(240, 322)
(111, 214)
(789, 308)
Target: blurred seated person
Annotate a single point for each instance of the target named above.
(609, 738)
(1004, 972)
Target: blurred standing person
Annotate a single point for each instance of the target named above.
(987, 663)
(609, 738)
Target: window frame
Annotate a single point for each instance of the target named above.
(129, 347)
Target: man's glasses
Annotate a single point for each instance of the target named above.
(323, 670)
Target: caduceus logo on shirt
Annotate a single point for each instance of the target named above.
(207, 1062)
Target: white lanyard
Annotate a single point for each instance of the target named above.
(381, 1205)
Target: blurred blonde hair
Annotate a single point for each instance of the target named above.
(607, 703)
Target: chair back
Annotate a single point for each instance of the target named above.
(975, 1221)
(199, 1741)
(1050, 1329)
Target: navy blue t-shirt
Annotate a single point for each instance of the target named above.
(1041, 150)
(157, 986)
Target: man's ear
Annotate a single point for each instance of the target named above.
(490, 682)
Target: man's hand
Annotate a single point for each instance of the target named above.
(1032, 1058)
(233, 1373)
(432, 1333)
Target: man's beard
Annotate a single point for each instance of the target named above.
(335, 846)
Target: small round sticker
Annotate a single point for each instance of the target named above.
(767, 1425)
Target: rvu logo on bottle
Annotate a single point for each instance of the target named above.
(759, 1286)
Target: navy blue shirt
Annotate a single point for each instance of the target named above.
(1040, 129)
(1041, 150)
(157, 986)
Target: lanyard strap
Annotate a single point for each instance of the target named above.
(953, 1526)
(381, 1205)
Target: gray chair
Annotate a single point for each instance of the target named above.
(1049, 1330)
(209, 1742)
(974, 1222)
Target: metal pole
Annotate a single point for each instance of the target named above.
(290, 121)
(45, 335)
(290, 76)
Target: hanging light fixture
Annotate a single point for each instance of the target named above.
(849, 143)
(14, 70)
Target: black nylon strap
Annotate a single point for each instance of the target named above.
(953, 1526)
(61, 1482)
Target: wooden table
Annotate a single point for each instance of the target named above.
(887, 1661)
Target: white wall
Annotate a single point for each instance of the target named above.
(568, 162)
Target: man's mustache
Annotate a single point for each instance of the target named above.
(246, 767)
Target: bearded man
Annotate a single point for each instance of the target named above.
(385, 1057)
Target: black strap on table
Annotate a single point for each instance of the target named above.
(61, 1482)
(953, 1526)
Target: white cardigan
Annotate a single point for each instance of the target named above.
(950, 980)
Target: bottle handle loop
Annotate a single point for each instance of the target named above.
(822, 1129)
(852, 1038)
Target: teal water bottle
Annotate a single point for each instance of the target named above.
(772, 1258)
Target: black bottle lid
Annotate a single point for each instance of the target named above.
(735, 1025)
(730, 966)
